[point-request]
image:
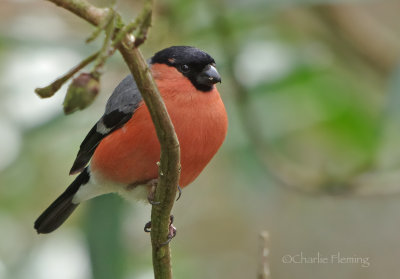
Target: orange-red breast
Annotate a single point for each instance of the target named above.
(123, 148)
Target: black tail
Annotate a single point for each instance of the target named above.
(56, 214)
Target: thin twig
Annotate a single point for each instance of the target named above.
(50, 90)
(145, 23)
(142, 21)
(106, 22)
(104, 51)
(263, 266)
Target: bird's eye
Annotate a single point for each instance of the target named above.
(185, 68)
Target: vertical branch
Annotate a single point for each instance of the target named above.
(169, 167)
(263, 265)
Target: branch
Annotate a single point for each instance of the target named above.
(109, 30)
(48, 91)
(263, 265)
(83, 9)
(143, 20)
(169, 167)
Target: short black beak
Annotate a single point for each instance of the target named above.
(209, 76)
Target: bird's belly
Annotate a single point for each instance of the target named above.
(130, 154)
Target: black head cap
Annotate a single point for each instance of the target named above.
(195, 64)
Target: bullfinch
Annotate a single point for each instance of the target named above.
(121, 151)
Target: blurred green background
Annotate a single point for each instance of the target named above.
(312, 90)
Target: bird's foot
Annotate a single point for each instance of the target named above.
(152, 191)
(171, 230)
(147, 227)
(179, 193)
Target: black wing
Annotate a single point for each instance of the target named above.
(120, 107)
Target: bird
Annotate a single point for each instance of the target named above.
(121, 151)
